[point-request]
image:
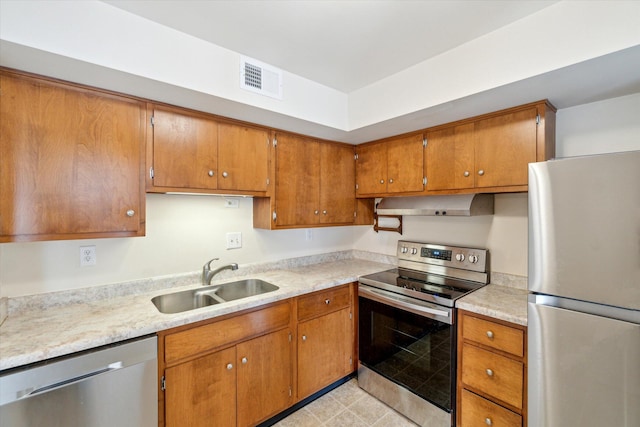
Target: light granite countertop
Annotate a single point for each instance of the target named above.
(497, 301)
(40, 327)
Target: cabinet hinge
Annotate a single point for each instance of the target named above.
(355, 214)
(152, 121)
(163, 384)
(289, 336)
(350, 361)
(355, 156)
(538, 119)
(275, 141)
(424, 141)
(424, 180)
(290, 391)
(268, 182)
(356, 186)
(350, 316)
(274, 216)
(151, 172)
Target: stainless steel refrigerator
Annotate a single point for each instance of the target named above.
(584, 284)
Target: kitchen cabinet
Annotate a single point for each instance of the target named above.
(492, 366)
(390, 167)
(195, 152)
(490, 153)
(325, 339)
(314, 186)
(233, 370)
(71, 161)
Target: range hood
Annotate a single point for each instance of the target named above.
(450, 205)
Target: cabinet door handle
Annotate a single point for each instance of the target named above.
(244, 360)
(131, 213)
(324, 212)
(327, 301)
(489, 372)
(304, 338)
(316, 212)
(480, 172)
(382, 181)
(490, 335)
(488, 421)
(224, 174)
(390, 180)
(210, 173)
(229, 366)
(466, 173)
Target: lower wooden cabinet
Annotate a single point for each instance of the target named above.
(325, 339)
(242, 369)
(492, 367)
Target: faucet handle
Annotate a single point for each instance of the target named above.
(207, 265)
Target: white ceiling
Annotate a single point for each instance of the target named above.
(342, 44)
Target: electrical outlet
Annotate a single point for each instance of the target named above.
(87, 256)
(234, 240)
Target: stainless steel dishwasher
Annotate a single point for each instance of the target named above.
(111, 386)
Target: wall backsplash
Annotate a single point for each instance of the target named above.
(184, 231)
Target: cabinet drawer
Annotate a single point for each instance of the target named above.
(492, 374)
(322, 302)
(477, 411)
(205, 338)
(494, 335)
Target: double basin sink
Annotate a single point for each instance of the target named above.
(205, 296)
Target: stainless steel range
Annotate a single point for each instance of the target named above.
(407, 328)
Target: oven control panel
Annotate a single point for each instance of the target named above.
(473, 259)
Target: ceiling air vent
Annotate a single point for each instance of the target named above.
(261, 78)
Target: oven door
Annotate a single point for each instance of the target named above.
(409, 342)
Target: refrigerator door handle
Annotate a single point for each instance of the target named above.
(617, 313)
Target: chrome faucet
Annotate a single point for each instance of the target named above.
(207, 273)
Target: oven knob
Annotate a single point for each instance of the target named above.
(404, 250)
(473, 259)
(460, 257)
(414, 251)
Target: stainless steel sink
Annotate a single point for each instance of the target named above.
(178, 302)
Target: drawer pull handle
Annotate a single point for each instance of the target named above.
(488, 421)
(490, 335)
(489, 372)
(229, 366)
(327, 301)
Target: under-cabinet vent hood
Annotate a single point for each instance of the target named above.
(451, 205)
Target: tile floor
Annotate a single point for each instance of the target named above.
(347, 405)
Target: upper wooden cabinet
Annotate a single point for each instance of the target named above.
(71, 161)
(390, 167)
(195, 152)
(490, 153)
(314, 185)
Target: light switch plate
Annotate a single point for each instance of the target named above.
(234, 240)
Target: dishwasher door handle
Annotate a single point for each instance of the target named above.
(41, 389)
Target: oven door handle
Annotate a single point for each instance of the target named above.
(403, 303)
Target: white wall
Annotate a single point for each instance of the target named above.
(184, 231)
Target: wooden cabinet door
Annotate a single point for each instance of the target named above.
(405, 164)
(185, 150)
(297, 180)
(504, 146)
(242, 158)
(449, 158)
(202, 392)
(325, 351)
(337, 184)
(264, 377)
(371, 169)
(70, 161)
